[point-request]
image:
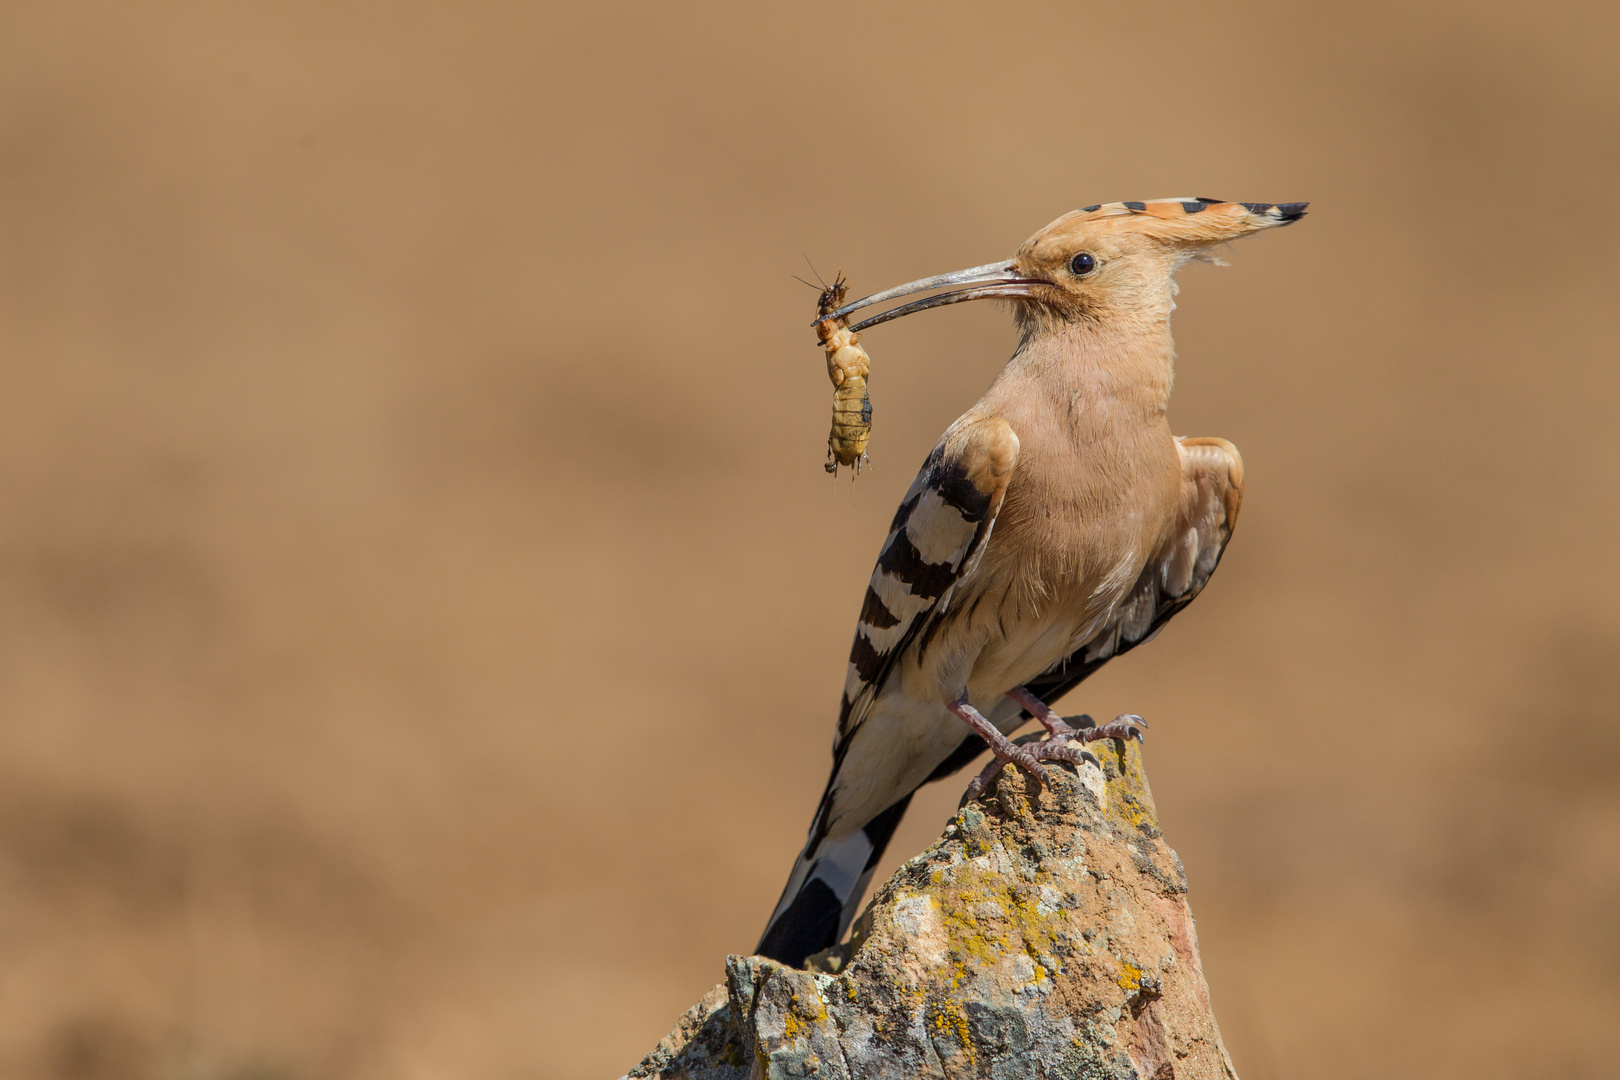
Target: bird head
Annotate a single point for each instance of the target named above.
(1113, 260)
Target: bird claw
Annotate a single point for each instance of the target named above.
(1125, 726)
(1052, 750)
(1027, 753)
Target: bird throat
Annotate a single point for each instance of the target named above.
(1085, 367)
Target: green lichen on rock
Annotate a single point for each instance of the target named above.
(1046, 934)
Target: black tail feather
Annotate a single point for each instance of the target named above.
(809, 925)
(817, 916)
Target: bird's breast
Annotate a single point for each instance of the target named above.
(1079, 522)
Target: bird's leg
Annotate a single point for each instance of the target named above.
(1055, 725)
(1124, 726)
(1027, 753)
(1002, 747)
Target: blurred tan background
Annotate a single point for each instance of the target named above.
(423, 610)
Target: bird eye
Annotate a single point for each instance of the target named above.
(1082, 264)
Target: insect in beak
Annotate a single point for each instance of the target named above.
(997, 280)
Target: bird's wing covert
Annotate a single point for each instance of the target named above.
(936, 539)
(1211, 495)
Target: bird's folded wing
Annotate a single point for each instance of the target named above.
(1211, 495)
(937, 537)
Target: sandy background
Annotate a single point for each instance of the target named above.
(423, 611)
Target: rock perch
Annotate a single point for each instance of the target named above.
(1045, 935)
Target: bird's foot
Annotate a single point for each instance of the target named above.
(1022, 753)
(1084, 728)
(1125, 726)
(1036, 748)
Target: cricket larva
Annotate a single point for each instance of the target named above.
(847, 367)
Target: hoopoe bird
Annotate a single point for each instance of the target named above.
(1056, 524)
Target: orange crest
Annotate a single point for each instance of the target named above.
(1175, 221)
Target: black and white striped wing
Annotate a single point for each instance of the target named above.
(937, 537)
(1211, 496)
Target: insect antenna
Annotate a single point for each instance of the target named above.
(813, 270)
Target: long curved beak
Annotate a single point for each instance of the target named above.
(997, 280)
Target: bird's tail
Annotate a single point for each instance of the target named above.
(826, 886)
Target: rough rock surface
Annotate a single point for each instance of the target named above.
(1046, 934)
